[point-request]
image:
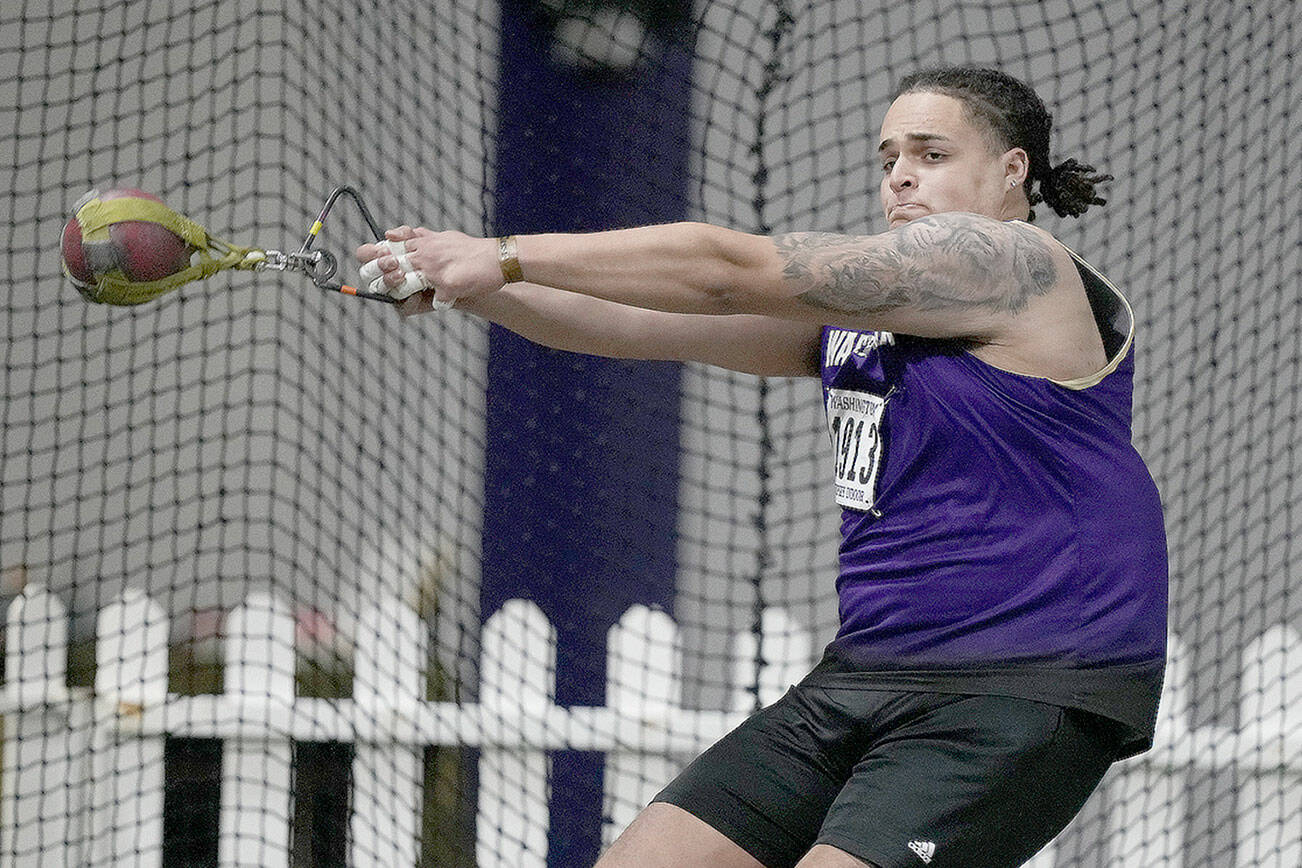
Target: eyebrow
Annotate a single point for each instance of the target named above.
(915, 137)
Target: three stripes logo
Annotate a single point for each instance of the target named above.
(924, 850)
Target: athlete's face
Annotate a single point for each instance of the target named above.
(935, 159)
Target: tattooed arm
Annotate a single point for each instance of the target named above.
(1004, 286)
(946, 275)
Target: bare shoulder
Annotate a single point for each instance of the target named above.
(1005, 264)
(1039, 249)
(942, 275)
(1032, 236)
(1054, 333)
(1008, 287)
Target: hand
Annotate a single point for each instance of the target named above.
(438, 269)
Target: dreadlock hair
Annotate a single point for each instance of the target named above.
(1015, 117)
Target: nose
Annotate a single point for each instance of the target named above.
(901, 177)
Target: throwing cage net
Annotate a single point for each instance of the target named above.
(289, 580)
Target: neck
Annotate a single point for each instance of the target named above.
(1016, 207)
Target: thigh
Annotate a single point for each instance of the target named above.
(666, 836)
(825, 856)
(975, 782)
(767, 785)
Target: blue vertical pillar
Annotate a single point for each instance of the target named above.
(581, 453)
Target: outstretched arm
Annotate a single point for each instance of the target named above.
(761, 345)
(752, 344)
(946, 275)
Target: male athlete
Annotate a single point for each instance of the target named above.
(1002, 575)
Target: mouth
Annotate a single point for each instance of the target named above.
(904, 212)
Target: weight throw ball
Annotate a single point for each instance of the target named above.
(140, 250)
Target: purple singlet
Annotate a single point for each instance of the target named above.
(1000, 534)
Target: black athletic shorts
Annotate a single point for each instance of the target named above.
(899, 779)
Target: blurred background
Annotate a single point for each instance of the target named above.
(250, 433)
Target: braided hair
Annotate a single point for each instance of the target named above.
(1015, 117)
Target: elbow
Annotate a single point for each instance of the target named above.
(726, 274)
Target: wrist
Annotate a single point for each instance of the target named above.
(508, 259)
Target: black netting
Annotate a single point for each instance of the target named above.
(263, 610)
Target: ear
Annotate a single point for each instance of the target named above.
(1017, 167)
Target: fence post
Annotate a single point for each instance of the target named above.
(1269, 815)
(44, 740)
(643, 669)
(388, 772)
(779, 657)
(127, 770)
(518, 684)
(256, 811)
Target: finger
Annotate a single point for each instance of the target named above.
(400, 233)
(412, 283)
(367, 252)
(399, 286)
(397, 248)
(370, 270)
(382, 264)
(437, 303)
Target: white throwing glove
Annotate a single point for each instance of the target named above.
(414, 281)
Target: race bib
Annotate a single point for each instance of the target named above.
(854, 420)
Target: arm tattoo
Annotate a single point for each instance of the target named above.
(947, 262)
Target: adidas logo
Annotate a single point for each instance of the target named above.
(924, 850)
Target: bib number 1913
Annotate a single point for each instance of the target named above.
(854, 421)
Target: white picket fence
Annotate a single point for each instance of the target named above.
(83, 770)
